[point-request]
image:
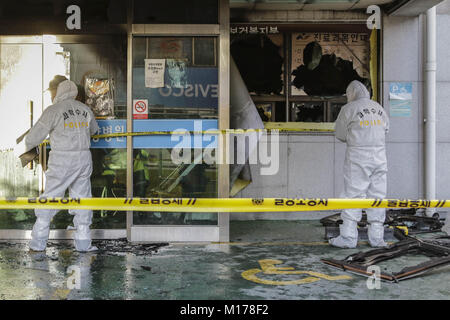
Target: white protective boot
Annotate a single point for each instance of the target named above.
(376, 235)
(82, 239)
(40, 233)
(348, 237)
(82, 236)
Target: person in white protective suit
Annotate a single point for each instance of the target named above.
(70, 124)
(362, 123)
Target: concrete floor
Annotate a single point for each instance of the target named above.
(264, 260)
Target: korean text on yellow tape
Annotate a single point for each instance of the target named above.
(214, 204)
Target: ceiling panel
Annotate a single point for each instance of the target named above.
(306, 4)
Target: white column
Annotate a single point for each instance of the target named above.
(430, 109)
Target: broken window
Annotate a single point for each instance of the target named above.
(271, 111)
(318, 110)
(317, 66)
(260, 62)
(265, 111)
(323, 64)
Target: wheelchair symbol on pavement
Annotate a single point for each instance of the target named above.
(268, 268)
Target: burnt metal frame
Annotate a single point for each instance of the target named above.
(359, 262)
(395, 218)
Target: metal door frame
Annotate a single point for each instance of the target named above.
(62, 234)
(179, 233)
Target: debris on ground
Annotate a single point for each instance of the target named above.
(123, 246)
(411, 219)
(437, 248)
(108, 247)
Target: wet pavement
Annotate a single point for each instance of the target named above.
(264, 260)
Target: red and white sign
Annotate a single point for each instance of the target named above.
(140, 109)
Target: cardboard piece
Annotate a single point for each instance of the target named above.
(29, 156)
(26, 156)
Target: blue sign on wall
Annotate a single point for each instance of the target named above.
(400, 91)
(158, 141)
(400, 99)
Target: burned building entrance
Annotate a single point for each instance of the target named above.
(140, 71)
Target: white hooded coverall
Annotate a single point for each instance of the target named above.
(362, 123)
(70, 125)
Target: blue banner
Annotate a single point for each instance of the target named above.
(158, 141)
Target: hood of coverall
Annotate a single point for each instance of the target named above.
(357, 91)
(66, 90)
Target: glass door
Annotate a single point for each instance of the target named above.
(98, 66)
(178, 74)
(175, 82)
(21, 89)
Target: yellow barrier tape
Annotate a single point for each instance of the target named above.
(301, 126)
(207, 132)
(214, 204)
